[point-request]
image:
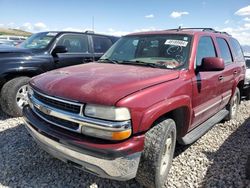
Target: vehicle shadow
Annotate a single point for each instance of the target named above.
(4, 116)
(24, 164)
(235, 151)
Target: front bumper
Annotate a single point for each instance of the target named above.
(119, 168)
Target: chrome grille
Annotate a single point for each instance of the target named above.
(57, 121)
(69, 107)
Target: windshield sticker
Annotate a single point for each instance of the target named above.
(176, 42)
(51, 34)
(185, 38)
(135, 42)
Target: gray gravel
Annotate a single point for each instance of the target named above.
(218, 159)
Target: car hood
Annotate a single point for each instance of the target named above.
(12, 49)
(100, 83)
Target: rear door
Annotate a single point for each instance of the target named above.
(78, 50)
(100, 45)
(232, 70)
(206, 93)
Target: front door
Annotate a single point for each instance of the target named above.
(206, 85)
(78, 50)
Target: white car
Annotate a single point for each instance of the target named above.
(12, 39)
(247, 78)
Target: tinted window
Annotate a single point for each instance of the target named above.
(205, 49)
(74, 43)
(224, 50)
(101, 44)
(237, 50)
(3, 38)
(248, 63)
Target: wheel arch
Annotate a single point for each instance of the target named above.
(177, 109)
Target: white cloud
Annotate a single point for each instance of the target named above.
(1, 25)
(40, 26)
(73, 29)
(114, 32)
(245, 11)
(227, 22)
(242, 33)
(26, 27)
(149, 16)
(11, 25)
(247, 19)
(176, 14)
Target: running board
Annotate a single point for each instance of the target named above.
(197, 132)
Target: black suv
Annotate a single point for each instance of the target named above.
(40, 53)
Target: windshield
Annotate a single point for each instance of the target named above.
(162, 51)
(38, 40)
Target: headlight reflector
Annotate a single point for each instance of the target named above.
(107, 112)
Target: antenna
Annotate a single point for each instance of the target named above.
(93, 23)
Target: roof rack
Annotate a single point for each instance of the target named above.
(207, 29)
(89, 31)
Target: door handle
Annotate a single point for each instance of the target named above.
(220, 78)
(86, 60)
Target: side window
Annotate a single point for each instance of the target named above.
(101, 44)
(248, 63)
(205, 49)
(237, 51)
(224, 50)
(75, 43)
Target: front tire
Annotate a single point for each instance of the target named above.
(233, 105)
(14, 96)
(158, 153)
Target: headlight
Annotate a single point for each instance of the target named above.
(107, 112)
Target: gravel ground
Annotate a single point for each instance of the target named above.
(218, 159)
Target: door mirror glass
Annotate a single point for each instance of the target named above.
(211, 64)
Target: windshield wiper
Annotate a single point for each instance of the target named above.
(109, 61)
(143, 63)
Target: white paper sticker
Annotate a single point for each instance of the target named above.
(177, 43)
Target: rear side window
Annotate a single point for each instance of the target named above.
(101, 44)
(75, 43)
(205, 49)
(224, 50)
(237, 51)
(248, 63)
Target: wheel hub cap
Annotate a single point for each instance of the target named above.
(22, 96)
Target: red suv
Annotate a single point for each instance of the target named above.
(120, 117)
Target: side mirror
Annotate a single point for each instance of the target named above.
(59, 49)
(211, 64)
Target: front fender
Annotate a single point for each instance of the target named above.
(163, 107)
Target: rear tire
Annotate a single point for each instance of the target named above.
(158, 153)
(14, 96)
(233, 105)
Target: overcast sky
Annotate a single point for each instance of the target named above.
(119, 17)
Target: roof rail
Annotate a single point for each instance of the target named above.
(89, 31)
(199, 28)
